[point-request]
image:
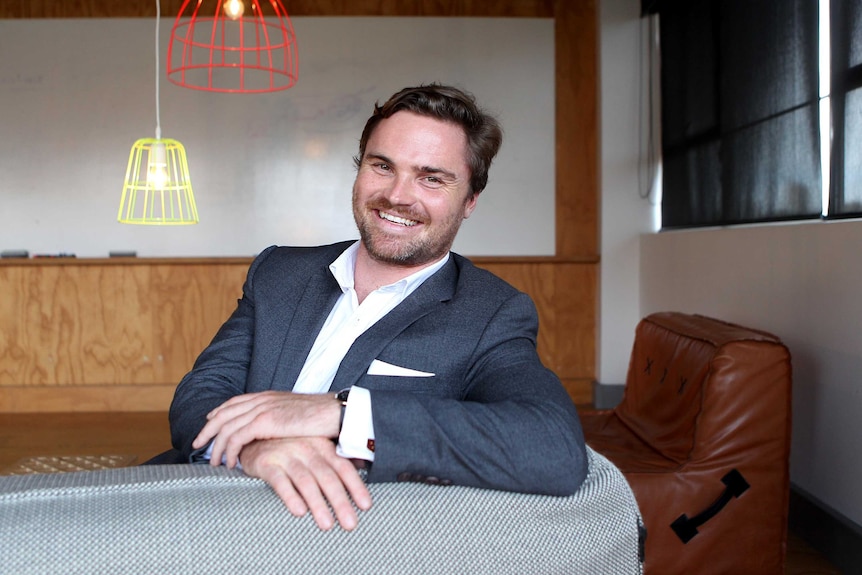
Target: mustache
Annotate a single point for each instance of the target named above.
(387, 206)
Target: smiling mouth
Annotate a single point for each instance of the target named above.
(396, 220)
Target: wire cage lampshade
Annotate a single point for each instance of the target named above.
(239, 46)
(158, 190)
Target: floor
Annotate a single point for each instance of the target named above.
(136, 437)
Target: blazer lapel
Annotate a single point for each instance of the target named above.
(440, 287)
(317, 300)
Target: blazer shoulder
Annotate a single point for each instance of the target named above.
(279, 267)
(298, 257)
(300, 254)
(472, 278)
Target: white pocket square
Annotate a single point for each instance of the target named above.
(378, 367)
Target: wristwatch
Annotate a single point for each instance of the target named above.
(341, 396)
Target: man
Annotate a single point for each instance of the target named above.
(435, 360)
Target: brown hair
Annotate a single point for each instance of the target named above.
(449, 104)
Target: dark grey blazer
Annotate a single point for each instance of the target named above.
(491, 416)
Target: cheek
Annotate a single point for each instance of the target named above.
(443, 212)
(367, 184)
(361, 187)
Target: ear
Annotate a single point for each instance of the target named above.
(470, 205)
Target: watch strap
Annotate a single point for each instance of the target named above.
(342, 396)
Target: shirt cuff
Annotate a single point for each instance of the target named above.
(357, 430)
(208, 455)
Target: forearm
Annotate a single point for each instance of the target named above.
(524, 445)
(220, 371)
(193, 400)
(498, 420)
(250, 417)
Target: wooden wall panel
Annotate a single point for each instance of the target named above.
(193, 301)
(577, 182)
(86, 398)
(103, 323)
(74, 334)
(45, 341)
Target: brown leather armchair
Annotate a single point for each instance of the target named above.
(703, 437)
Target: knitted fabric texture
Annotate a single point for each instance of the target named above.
(184, 519)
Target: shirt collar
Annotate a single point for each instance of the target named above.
(343, 267)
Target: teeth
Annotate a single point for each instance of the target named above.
(397, 220)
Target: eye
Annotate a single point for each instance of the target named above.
(433, 182)
(381, 166)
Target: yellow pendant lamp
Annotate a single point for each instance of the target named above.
(158, 188)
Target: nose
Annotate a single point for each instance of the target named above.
(400, 191)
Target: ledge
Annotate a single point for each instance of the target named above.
(67, 261)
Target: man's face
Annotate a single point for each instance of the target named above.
(412, 189)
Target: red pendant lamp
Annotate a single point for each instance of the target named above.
(238, 46)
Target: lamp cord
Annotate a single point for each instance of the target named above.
(158, 114)
(646, 181)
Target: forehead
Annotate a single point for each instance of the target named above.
(420, 140)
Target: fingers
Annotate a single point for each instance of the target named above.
(338, 482)
(317, 484)
(283, 487)
(231, 438)
(236, 434)
(232, 408)
(356, 487)
(232, 425)
(308, 476)
(266, 415)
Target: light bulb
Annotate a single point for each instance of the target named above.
(234, 8)
(157, 167)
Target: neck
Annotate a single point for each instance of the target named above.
(371, 274)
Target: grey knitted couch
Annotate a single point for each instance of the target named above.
(177, 519)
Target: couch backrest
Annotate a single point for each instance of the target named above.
(190, 519)
(691, 377)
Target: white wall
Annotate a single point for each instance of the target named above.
(624, 214)
(802, 282)
(266, 168)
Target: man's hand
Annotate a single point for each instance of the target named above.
(306, 472)
(267, 415)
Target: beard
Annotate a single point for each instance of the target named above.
(398, 250)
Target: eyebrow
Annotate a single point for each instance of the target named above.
(421, 169)
(439, 171)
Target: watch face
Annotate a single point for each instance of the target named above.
(342, 395)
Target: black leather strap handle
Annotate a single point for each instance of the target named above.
(735, 485)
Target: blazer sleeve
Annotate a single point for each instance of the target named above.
(220, 371)
(515, 428)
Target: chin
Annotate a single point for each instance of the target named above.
(400, 255)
